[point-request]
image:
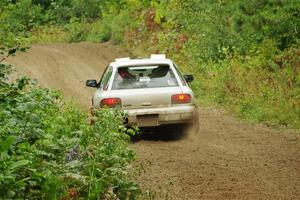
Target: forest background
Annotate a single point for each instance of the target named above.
(244, 54)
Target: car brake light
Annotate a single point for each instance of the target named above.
(181, 98)
(110, 102)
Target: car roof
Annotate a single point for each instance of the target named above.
(155, 59)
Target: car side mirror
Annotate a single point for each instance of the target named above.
(91, 83)
(188, 78)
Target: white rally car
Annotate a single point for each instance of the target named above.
(152, 91)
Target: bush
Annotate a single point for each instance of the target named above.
(114, 26)
(263, 87)
(77, 31)
(243, 54)
(100, 32)
(48, 150)
(49, 34)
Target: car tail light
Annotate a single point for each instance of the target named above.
(181, 98)
(110, 102)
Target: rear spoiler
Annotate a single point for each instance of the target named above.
(158, 56)
(122, 59)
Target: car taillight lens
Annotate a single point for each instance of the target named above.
(110, 102)
(181, 98)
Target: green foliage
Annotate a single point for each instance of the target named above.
(263, 87)
(75, 18)
(77, 31)
(228, 45)
(49, 34)
(118, 25)
(244, 54)
(276, 20)
(49, 151)
(238, 25)
(207, 24)
(100, 32)
(16, 20)
(62, 11)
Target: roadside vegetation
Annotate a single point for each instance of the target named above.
(48, 150)
(245, 55)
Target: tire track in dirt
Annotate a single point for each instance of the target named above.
(226, 159)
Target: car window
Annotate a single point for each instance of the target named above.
(180, 74)
(105, 78)
(145, 76)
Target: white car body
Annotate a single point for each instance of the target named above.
(147, 107)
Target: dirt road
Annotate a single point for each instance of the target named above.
(66, 67)
(226, 159)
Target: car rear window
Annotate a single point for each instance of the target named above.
(146, 76)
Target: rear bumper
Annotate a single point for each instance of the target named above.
(167, 115)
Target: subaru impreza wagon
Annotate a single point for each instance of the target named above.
(152, 91)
